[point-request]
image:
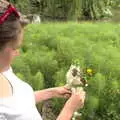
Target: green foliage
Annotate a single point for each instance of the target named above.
(49, 50)
(92, 105)
(98, 84)
(68, 9)
(59, 77)
(23, 6)
(38, 81)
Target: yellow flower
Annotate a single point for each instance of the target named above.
(89, 71)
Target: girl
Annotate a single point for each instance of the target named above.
(17, 98)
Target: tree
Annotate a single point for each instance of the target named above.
(67, 9)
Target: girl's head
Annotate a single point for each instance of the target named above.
(11, 33)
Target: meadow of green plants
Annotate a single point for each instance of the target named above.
(47, 53)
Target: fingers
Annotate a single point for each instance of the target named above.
(68, 90)
(76, 101)
(66, 95)
(67, 87)
(82, 95)
(79, 98)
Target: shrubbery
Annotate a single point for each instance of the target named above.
(49, 49)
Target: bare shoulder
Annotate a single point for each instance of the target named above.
(5, 87)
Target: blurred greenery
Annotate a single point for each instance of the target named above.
(48, 51)
(68, 9)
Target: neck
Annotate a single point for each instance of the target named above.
(3, 67)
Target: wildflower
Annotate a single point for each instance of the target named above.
(89, 71)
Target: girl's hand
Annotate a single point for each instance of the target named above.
(76, 100)
(62, 92)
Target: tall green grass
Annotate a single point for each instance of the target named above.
(48, 51)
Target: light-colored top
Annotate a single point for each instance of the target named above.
(21, 105)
